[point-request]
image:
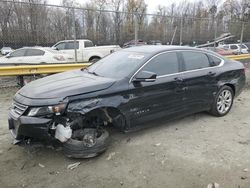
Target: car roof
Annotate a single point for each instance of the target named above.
(153, 49)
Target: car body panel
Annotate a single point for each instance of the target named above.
(137, 102)
(47, 57)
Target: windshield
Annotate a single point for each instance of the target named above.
(118, 65)
(242, 46)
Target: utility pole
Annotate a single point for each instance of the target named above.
(136, 28)
(74, 27)
(242, 35)
(181, 28)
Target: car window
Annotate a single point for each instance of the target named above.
(215, 61)
(195, 60)
(163, 64)
(18, 53)
(234, 47)
(226, 47)
(34, 52)
(119, 64)
(71, 45)
(88, 44)
(243, 46)
(60, 46)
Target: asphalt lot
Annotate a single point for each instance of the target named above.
(187, 153)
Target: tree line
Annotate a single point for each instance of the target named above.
(32, 22)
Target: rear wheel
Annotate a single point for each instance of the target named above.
(95, 59)
(223, 101)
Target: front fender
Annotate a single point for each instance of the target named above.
(85, 106)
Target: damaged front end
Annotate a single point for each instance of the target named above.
(75, 124)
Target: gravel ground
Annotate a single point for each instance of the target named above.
(187, 153)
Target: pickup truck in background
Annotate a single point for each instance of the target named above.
(86, 51)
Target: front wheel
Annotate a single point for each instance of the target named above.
(223, 102)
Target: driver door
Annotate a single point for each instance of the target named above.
(161, 98)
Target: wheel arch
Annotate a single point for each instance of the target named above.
(232, 86)
(108, 114)
(94, 57)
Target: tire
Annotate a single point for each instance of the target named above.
(94, 60)
(77, 149)
(223, 102)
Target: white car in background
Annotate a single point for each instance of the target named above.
(85, 49)
(36, 55)
(6, 50)
(236, 48)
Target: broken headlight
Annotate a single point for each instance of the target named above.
(47, 110)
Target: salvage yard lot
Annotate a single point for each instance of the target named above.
(190, 152)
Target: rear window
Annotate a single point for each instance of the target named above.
(88, 44)
(234, 47)
(195, 60)
(215, 61)
(71, 45)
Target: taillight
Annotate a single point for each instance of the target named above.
(59, 58)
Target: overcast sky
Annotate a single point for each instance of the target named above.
(152, 4)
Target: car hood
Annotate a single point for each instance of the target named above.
(65, 84)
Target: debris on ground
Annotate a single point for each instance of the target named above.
(41, 165)
(121, 183)
(213, 185)
(110, 156)
(245, 170)
(53, 172)
(73, 166)
(158, 144)
(243, 177)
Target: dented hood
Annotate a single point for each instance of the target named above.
(65, 84)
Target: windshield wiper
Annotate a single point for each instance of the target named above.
(94, 73)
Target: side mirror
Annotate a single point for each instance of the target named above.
(145, 76)
(8, 55)
(54, 48)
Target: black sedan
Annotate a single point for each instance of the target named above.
(125, 89)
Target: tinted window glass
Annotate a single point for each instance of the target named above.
(195, 60)
(118, 64)
(71, 46)
(163, 64)
(88, 44)
(18, 53)
(215, 61)
(226, 47)
(34, 52)
(243, 46)
(234, 47)
(60, 46)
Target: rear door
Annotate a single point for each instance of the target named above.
(199, 76)
(162, 98)
(35, 56)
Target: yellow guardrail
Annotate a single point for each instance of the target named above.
(39, 69)
(239, 57)
(56, 68)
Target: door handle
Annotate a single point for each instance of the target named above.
(211, 73)
(179, 80)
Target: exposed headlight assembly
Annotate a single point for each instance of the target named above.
(46, 110)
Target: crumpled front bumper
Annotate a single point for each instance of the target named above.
(25, 126)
